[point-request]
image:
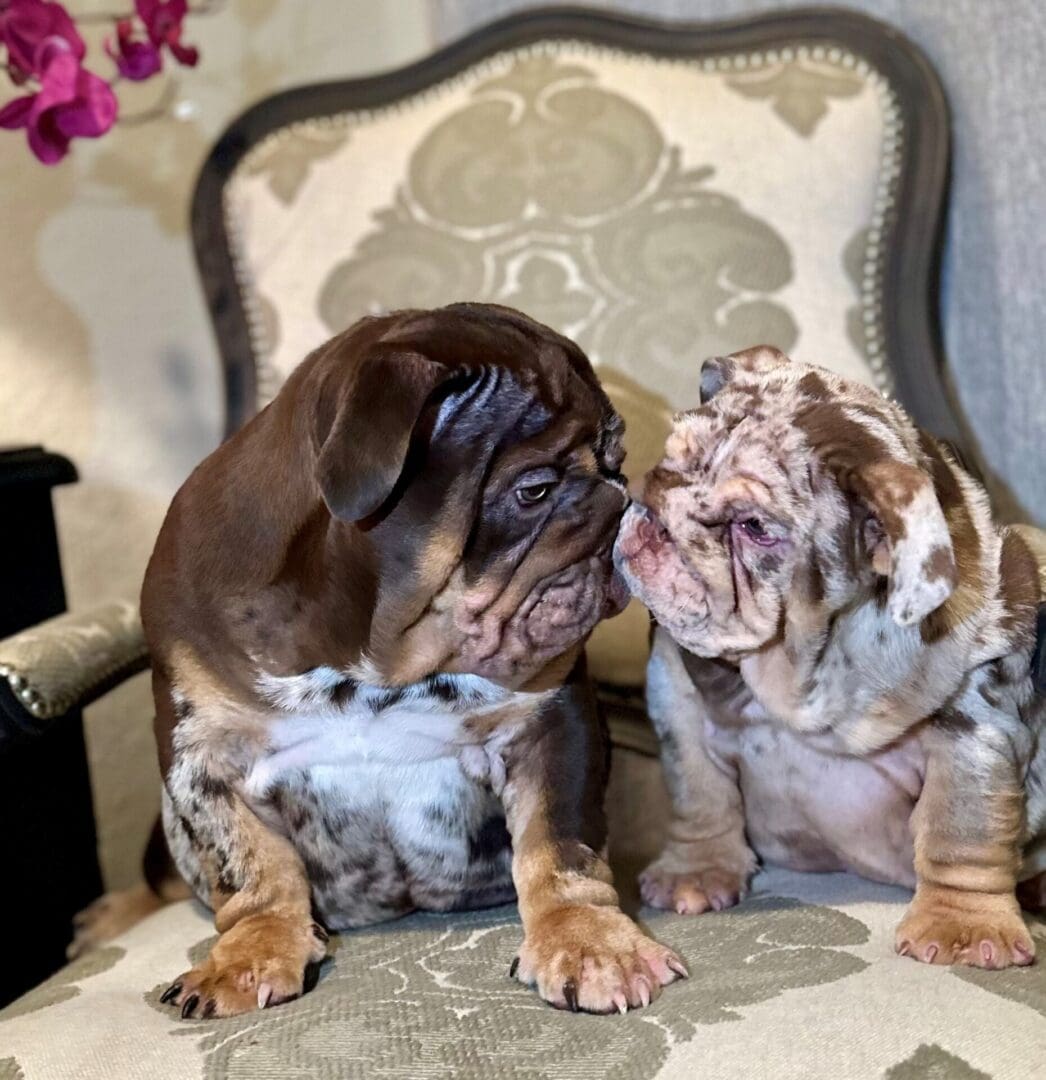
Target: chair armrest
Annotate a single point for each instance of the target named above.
(67, 662)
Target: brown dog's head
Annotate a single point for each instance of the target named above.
(788, 489)
(470, 466)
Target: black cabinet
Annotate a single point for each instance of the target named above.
(48, 852)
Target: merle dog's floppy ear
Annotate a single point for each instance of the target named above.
(364, 438)
(907, 536)
(914, 548)
(715, 374)
(717, 371)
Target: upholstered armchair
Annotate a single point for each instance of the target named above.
(660, 194)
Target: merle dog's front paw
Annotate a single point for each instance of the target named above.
(949, 926)
(697, 876)
(691, 892)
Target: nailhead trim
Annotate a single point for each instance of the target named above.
(269, 379)
(49, 708)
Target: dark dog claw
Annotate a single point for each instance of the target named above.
(172, 991)
(320, 933)
(570, 995)
(513, 967)
(208, 1009)
(189, 1004)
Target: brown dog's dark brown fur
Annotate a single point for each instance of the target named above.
(366, 613)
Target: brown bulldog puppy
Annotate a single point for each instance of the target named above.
(841, 674)
(366, 613)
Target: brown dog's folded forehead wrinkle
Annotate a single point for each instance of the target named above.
(545, 363)
(564, 441)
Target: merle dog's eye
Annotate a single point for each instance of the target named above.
(533, 493)
(753, 529)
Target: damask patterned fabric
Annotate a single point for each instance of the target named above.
(658, 212)
(988, 56)
(800, 981)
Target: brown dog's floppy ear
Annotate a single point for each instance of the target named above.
(364, 447)
(914, 549)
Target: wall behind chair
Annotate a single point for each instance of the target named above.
(106, 352)
(988, 54)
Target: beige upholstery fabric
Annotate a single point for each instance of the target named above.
(658, 212)
(801, 981)
(68, 660)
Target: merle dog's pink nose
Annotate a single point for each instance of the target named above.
(640, 530)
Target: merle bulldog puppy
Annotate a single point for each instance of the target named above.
(841, 670)
(366, 613)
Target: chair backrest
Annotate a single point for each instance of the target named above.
(660, 193)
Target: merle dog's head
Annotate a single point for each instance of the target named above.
(789, 488)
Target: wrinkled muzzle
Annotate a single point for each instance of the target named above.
(509, 632)
(656, 572)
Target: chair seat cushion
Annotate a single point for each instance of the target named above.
(801, 980)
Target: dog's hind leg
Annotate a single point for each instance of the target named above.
(117, 911)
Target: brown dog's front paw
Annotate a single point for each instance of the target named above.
(947, 926)
(592, 959)
(691, 892)
(258, 963)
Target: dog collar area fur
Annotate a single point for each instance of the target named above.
(1038, 658)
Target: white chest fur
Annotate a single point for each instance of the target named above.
(376, 727)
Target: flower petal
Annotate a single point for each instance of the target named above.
(58, 76)
(46, 141)
(135, 60)
(63, 26)
(184, 54)
(146, 9)
(92, 112)
(24, 24)
(15, 114)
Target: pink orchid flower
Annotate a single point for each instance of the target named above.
(25, 25)
(135, 59)
(71, 103)
(163, 23)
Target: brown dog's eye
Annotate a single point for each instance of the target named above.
(535, 485)
(533, 493)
